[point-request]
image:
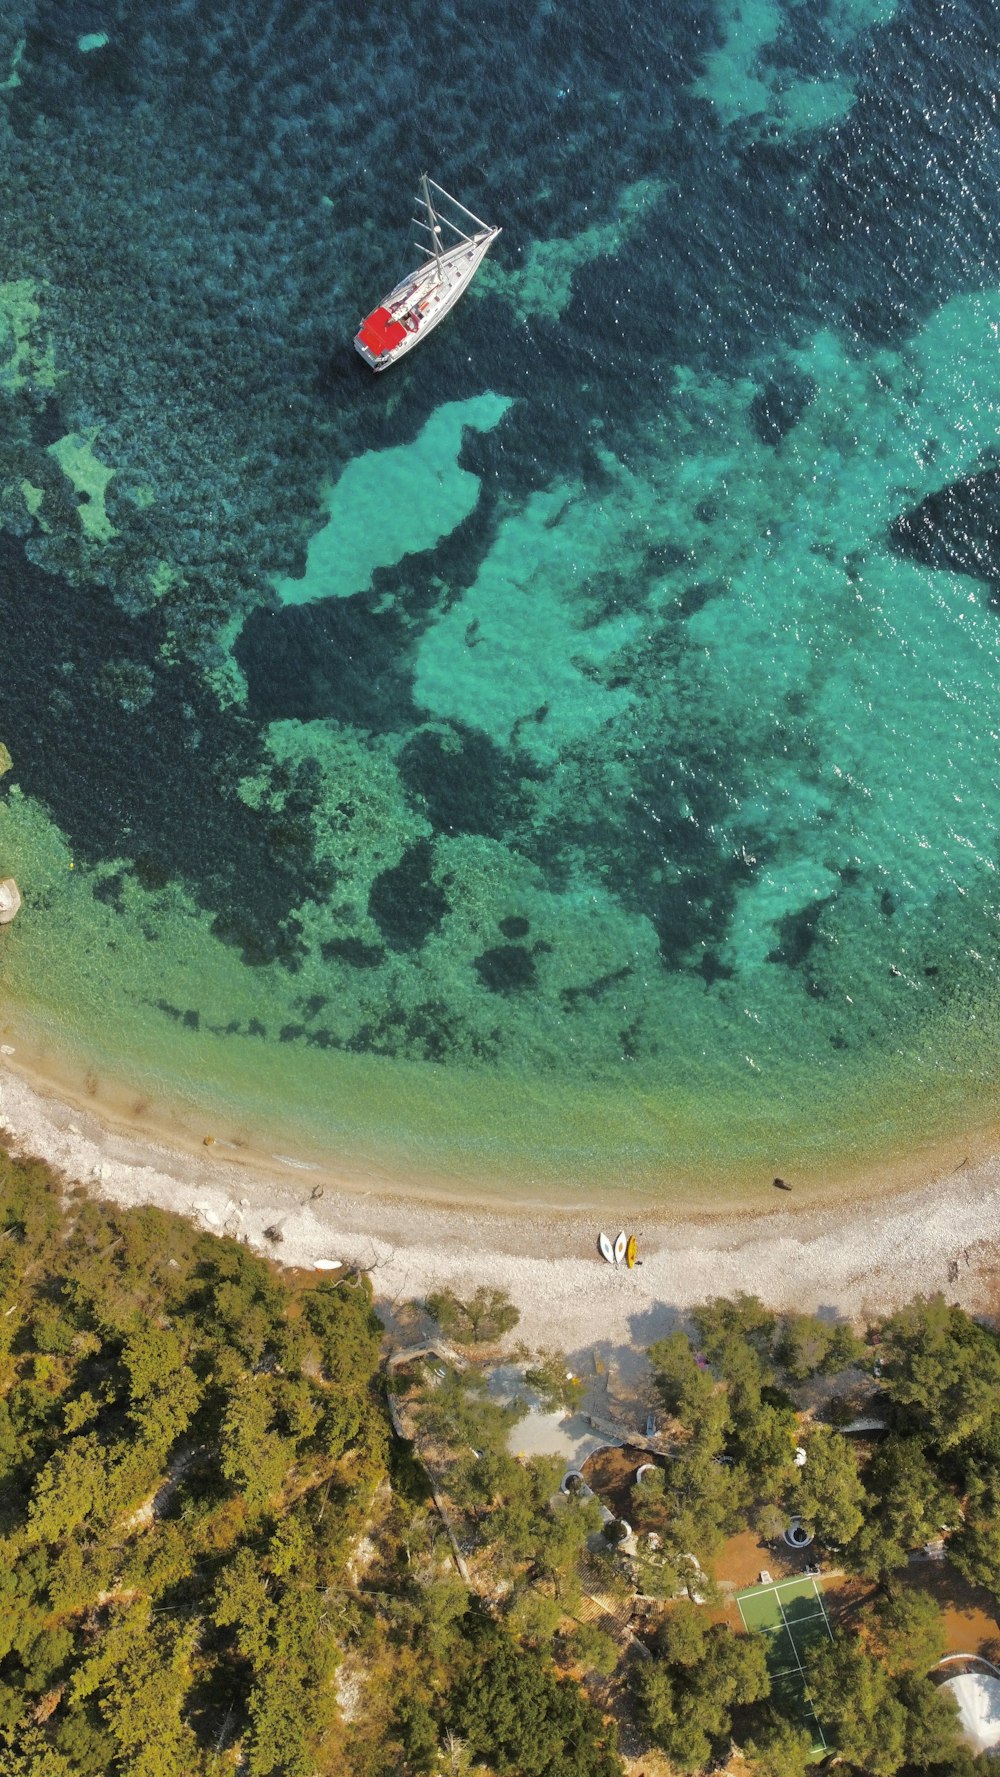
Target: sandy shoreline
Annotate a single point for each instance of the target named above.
(854, 1258)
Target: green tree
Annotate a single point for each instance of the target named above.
(683, 1385)
(144, 1358)
(908, 1505)
(415, 1728)
(36, 1757)
(727, 1321)
(762, 1440)
(520, 1524)
(975, 1549)
(779, 1748)
(163, 1392)
(291, 1699)
(704, 1496)
(273, 1607)
(444, 1600)
(931, 1718)
(252, 1456)
(341, 1318)
(459, 1414)
(687, 1695)
(941, 1371)
(482, 1318)
(246, 1298)
(534, 1616)
(524, 1721)
(484, 1479)
(830, 1497)
(854, 1700)
(70, 1488)
(807, 1345)
(140, 1674)
(243, 1603)
(593, 1649)
(907, 1632)
(562, 1539)
(963, 1762)
(552, 1380)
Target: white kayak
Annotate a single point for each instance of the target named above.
(620, 1245)
(328, 1264)
(607, 1250)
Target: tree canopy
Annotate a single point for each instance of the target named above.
(208, 1535)
(173, 1505)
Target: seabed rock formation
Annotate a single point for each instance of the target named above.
(10, 900)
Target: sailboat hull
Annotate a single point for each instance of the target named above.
(419, 301)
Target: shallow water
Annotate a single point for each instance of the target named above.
(572, 756)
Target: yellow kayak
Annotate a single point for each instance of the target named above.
(630, 1251)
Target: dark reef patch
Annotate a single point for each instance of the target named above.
(780, 404)
(154, 782)
(353, 951)
(463, 781)
(712, 970)
(338, 657)
(405, 902)
(797, 935)
(430, 1032)
(659, 852)
(902, 214)
(507, 968)
(573, 997)
(515, 926)
(957, 529)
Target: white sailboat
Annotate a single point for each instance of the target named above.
(423, 298)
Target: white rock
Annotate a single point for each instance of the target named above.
(10, 900)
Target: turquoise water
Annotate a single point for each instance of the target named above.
(573, 756)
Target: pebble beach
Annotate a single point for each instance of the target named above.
(855, 1258)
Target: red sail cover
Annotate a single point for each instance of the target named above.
(380, 332)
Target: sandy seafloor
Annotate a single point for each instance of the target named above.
(857, 1257)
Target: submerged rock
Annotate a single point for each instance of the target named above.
(10, 900)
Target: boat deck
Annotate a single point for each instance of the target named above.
(419, 301)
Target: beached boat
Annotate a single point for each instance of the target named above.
(607, 1250)
(423, 298)
(620, 1245)
(630, 1251)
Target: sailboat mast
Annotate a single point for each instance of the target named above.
(433, 221)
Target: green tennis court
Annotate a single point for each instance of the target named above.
(792, 1616)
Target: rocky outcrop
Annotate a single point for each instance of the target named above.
(10, 900)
